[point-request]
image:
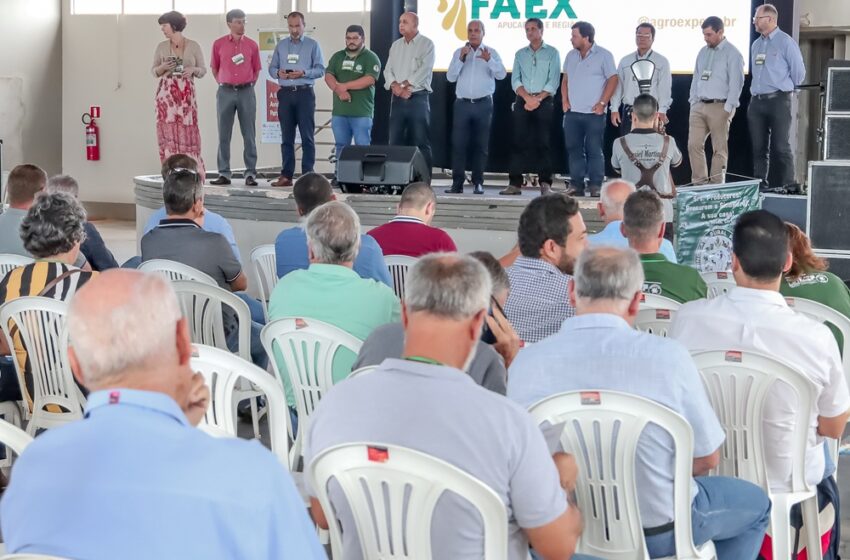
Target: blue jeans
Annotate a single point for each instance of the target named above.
(346, 129)
(470, 136)
(731, 512)
(583, 136)
(410, 124)
(297, 108)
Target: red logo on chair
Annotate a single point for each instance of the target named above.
(722, 275)
(378, 454)
(590, 398)
(789, 301)
(734, 356)
(662, 314)
(300, 323)
(642, 296)
(114, 397)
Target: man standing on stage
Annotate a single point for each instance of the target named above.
(351, 75)
(235, 64)
(590, 79)
(297, 63)
(777, 68)
(475, 68)
(627, 85)
(535, 80)
(408, 75)
(715, 90)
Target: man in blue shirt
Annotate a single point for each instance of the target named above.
(475, 68)
(135, 479)
(290, 247)
(777, 68)
(297, 62)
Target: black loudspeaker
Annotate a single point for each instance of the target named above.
(837, 87)
(380, 169)
(828, 210)
(837, 137)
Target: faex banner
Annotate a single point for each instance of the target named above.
(705, 217)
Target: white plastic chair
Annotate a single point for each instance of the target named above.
(398, 265)
(655, 301)
(308, 347)
(13, 437)
(655, 321)
(174, 270)
(9, 262)
(718, 282)
(360, 372)
(402, 488)
(40, 323)
(264, 264)
(602, 429)
(738, 385)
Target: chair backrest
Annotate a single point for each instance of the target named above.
(655, 301)
(398, 265)
(602, 429)
(392, 492)
(359, 372)
(655, 321)
(265, 273)
(32, 557)
(13, 437)
(738, 384)
(718, 282)
(9, 262)
(223, 372)
(824, 314)
(204, 308)
(174, 270)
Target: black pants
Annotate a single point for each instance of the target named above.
(410, 124)
(770, 128)
(470, 137)
(625, 119)
(297, 108)
(532, 142)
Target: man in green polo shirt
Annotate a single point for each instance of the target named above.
(351, 75)
(643, 225)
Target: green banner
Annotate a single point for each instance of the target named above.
(705, 217)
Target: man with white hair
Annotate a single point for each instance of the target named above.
(612, 198)
(426, 402)
(135, 479)
(599, 350)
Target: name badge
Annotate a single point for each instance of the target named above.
(760, 58)
(238, 59)
(292, 59)
(706, 74)
(348, 65)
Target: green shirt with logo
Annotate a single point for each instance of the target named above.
(675, 281)
(346, 68)
(822, 287)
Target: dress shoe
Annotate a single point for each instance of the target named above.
(595, 190)
(250, 181)
(512, 189)
(545, 188)
(478, 189)
(282, 182)
(573, 191)
(454, 191)
(221, 180)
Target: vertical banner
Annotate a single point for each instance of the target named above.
(269, 125)
(705, 217)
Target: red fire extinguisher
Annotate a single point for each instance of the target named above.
(92, 134)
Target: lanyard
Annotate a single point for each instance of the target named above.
(423, 360)
(637, 56)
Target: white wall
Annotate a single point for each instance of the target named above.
(107, 61)
(30, 49)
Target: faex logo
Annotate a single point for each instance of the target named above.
(455, 16)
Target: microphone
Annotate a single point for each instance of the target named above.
(463, 56)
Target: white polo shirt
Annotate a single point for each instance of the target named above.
(760, 321)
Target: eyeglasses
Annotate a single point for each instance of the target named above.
(643, 35)
(756, 18)
(181, 171)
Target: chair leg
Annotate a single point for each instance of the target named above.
(255, 418)
(811, 520)
(780, 532)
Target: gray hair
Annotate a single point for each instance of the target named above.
(63, 183)
(498, 275)
(333, 233)
(137, 333)
(448, 285)
(480, 24)
(180, 190)
(769, 9)
(53, 225)
(612, 206)
(608, 273)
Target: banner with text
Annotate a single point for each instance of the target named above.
(705, 217)
(269, 125)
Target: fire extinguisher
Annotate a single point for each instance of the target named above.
(92, 134)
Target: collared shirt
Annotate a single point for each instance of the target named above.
(613, 237)
(304, 54)
(290, 250)
(408, 235)
(586, 77)
(95, 251)
(411, 61)
(334, 294)
(823, 287)
(477, 431)
(213, 223)
(10, 232)
(601, 351)
(776, 63)
(627, 86)
(346, 67)
(235, 62)
(475, 76)
(538, 70)
(675, 281)
(538, 302)
(718, 74)
(134, 480)
(760, 321)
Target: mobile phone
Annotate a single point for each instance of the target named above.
(487, 335)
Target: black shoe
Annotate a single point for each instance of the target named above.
(250, 181)
(595, 190)
(221, 180)
(454, 190)
(478, 189)
(511, 189)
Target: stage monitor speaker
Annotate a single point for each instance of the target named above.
(828, 210)
(791, 208)
(837, 137)
(837, 90)
(380, 169)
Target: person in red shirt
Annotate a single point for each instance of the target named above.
(410, 232)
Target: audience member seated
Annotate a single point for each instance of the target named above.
(94, 249)
(612, 197)
(599, 350)
(23, 184)
(551, 236)
(330, 290)
(135, 479)
(492, 357)
(410, 233)
(290, 248)
(643, 225)
(754, 317)
(426, 402)
(179, 237)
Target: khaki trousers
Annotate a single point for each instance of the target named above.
(708, 119)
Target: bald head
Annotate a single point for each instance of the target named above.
(408, 25)
(612, 198)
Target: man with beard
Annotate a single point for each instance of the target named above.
(551, 236)
(351, 74)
